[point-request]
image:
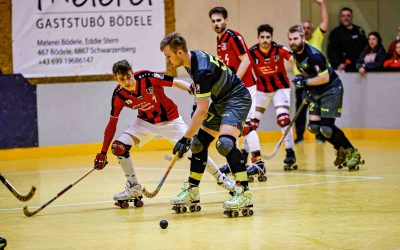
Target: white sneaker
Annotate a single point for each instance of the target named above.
(225, 182)
(130, 192)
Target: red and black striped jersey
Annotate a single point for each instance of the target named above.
(230, 46)
(270, 69)
(149, 98)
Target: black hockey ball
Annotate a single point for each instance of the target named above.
(163, 224)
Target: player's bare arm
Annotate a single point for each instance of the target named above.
(318, 80)
(181, 84)
(198, 117)
(244, 64)
(324, 15)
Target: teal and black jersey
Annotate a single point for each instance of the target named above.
(212, 78)
(311, 63)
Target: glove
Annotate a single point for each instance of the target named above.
(299, 82)
(182, 146)
(255, 123)
(101, 161)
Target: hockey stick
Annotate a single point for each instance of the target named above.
(155, 192)
(29, 214)
(278, 145)
(15, 192)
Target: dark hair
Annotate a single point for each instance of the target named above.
(265, 28)
(378, 36)
(297, 28)
(346, 9)
(218, 10)
(121, 67)
(175, 41)
(395, 55)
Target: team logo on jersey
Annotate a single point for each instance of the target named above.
(159, 76)
(224, 46)
(149, 90)
(317, 68)
(129, 101)
(276, 58)
(197, 89)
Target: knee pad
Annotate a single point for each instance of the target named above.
(283, 120)
(247, 129)
(225, 144)
(314, 127)
(201, 141)
(120, 149)
(326, 131)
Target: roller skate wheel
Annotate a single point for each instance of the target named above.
(176, 209)
(286, 168)
(244, 212)
(250, 213)
(362, 162)
(192, 208)
(340, 167)
(122, 204)
(235, 214)
(138, 203)
(227, 213)
(198, 208)
(251, 179)
(183, 209)
(262, 178)
(295, 167)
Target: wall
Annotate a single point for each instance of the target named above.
(193, 23)
(78, 113)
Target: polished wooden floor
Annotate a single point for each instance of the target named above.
(316, 207)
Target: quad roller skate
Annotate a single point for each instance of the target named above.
(290, 160)
(239, 203)
(258, 169)
(225, 182)
(130, 194)
(188, 199)
(353, 159)
(340, 158)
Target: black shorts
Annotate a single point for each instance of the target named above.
(232, 111)
(327, 104)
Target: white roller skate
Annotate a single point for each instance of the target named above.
(188, 198)
(240, 202)
(225, 182)
(130, 194)
(257, 169)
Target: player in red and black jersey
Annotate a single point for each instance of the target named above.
(233, 52)
(273, 85)
(157, 115)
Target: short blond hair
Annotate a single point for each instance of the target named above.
(296, 28)
(175, 41)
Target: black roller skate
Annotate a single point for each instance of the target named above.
(340, 158)
(130, 194)
(353, 159)
(258, 169)
(188, 199)
(290, 160)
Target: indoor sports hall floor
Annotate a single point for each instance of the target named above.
(316, 207)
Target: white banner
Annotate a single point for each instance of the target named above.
(54, 38)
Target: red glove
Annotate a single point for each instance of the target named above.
(101, 161)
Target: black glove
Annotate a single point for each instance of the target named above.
(182, 146)
(300, 82)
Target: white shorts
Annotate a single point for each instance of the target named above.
(281, 97)
(253, 93)
(145, 131)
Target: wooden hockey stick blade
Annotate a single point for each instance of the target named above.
(29, 214)
(278, 145)
(15, 192)
(155, 192)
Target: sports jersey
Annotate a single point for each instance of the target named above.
(212, 78)
(149, 99)
(270, 69)
(312, 63)
(229, 47)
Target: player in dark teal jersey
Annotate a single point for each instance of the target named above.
(226, 115)
(326, 93)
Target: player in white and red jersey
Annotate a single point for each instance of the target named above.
(233, 52)
(273, 85)
(157, 115)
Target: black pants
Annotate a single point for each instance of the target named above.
(301, 120)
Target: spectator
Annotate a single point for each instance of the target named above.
(346, 42)
(393, 63)
(373, 56)
(392, 45)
